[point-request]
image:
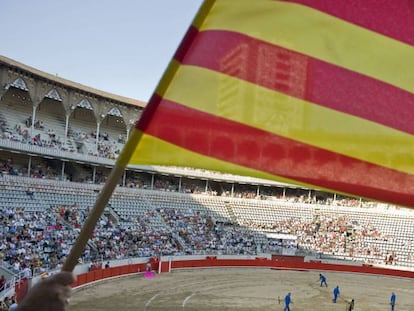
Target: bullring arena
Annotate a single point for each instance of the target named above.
(243, 289)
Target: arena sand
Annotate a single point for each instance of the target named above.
(243, 289)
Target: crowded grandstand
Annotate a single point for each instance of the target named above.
(58, 143)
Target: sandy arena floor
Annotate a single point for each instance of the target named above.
(242, 290)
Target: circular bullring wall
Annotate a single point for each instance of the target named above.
(242, 289)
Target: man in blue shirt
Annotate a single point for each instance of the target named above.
(392, 301)
(322, 278)
(288, 301)
(336, 293)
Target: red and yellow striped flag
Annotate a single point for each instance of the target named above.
(316, 93)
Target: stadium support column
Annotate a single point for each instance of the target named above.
(94, 174)
(98, 126)
(29, 166)
(124, 179)
(152, 181)
(63, 170)
(66, 129)
(33, 119)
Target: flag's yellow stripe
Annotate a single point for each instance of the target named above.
(290, 117)
(151, 150)
(311, 32)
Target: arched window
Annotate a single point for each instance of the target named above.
(53, 94)
(20, 84)
(115, 112)
(84, 103)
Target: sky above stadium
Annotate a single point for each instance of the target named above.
(121, 47)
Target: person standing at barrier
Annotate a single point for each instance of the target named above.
(322, 278)
(288, 301)
(392, 301)
(335, 293)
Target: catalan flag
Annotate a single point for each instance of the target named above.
(315, 93)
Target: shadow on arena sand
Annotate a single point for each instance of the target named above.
(242, 290)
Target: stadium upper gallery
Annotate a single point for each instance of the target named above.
(58, 142)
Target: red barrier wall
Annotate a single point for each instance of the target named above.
(296, 263)
(288, 258)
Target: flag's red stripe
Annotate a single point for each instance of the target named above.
(394, 18)
(301, 76)
(240, 144)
